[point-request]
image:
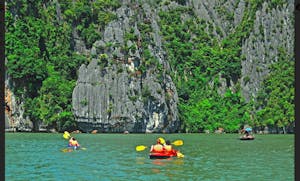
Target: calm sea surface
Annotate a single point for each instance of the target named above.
(38, 156)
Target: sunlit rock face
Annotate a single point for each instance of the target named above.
(113, 94)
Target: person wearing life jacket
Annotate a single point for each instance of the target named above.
(73, 143)
(247, 132)
(159, 146)
(169, 149)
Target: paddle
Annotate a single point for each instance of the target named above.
(142, 147)
(177, 143)
(71, 149)
(66, 135)
(180, 155)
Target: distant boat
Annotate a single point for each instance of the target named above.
(247, 138)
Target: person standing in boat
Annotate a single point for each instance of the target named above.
(159, 146)
(73, 143)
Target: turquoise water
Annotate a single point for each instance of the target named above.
(37, 156)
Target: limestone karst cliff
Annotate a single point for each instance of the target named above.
(127, 80)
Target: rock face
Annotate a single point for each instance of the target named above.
(116, 102)
(126, 85)
(273, 30)
(112, 93)
(14, 111)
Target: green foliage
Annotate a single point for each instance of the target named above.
(277, 3)
(32, 110)
(55, 98)
(42, 62)
(104, 18)
(25, 58)
(276, 99)
(103, 60)
(133, 98)
(89, 17)
(84, 102)
(198, 61)
(213, 112)
(145, 28)
(130, 36)
(90, 35)
(66, 121)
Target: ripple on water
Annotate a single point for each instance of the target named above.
(108, 157)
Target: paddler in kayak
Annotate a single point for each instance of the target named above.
(163, 149)
(247, 133)
(170, 151)
(73, 143)
(159, 146)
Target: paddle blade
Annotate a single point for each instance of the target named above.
(179, 155)
(140, 148)
(66, 150)
(66, 135)
(178, 143)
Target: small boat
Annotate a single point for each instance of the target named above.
(247, 138)
(160, 155)
(72, 148)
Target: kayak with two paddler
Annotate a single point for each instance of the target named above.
(163, 150)
(162, 155)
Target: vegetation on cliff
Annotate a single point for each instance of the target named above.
(42, 63)
(199, 60)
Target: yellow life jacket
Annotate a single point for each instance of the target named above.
(168, 147)
(73, 143)
(157, 148)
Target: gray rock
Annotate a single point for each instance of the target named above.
(116, 97)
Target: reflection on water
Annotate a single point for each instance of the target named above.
(160, 162)
(156, 170)
(179, 161)
(113, 157)
(140, 160)
(168, 161)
